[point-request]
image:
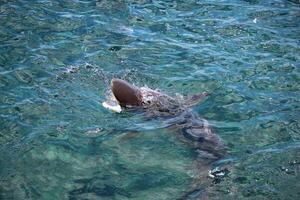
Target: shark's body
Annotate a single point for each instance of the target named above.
(192, 128)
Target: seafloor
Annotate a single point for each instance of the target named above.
(56, 61)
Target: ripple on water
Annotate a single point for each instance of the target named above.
(56, 61)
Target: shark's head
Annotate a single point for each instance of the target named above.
(125, 93)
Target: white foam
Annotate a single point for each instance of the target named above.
(113, 107)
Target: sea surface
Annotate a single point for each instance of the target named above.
(56, 62)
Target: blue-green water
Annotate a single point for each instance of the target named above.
(56, 60)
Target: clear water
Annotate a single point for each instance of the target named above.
(56, 60)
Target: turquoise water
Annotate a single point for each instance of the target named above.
(56, 61)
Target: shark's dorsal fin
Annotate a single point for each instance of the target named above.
(126, 93)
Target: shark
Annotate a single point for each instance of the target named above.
(178, 113)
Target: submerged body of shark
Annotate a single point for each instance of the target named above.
(192, 129)
(182, 120)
